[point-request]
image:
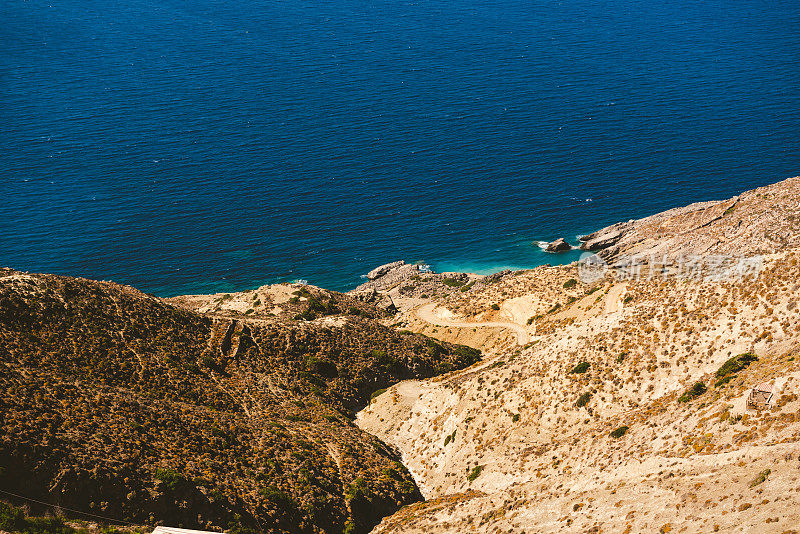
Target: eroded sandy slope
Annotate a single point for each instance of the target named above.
(505, 446)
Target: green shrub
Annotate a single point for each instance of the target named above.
(583, 400)
(307, 315)
(515, 418)
(580, 368)
(470, 355)
(48, 525)
(325, 308)
(531, 319)
(495, 307)
(762, 476)
(475, 473)
(736, 364)
(277, 496)
(316, 307)
(377, 393)
(394, 474)
(237, 526)
(554, 308)
(722, 381)
(731, 367)
(450, 438)
(570, 283)
(11, 519)
(379, 355)
(408, 487)
(452, 282)
(435, 349)
(172, 479)
(619, 432)
(322, 367)
(467, 287)
(356, 490)
(695, 391)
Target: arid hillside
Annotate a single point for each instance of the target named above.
(120, 404)
(618, 403)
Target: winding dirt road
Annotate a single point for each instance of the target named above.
(427, 313)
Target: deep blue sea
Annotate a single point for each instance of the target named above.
(208, 145)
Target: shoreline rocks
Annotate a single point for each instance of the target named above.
(557, 246)
(604, 237)
(387, 276)
(377, 272)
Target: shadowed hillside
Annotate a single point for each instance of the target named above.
(120, 404)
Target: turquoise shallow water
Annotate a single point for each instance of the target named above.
(192, 146)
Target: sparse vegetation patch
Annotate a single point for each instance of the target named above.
(619, 432)
(475, 473)
(762, 476)
(693, 392)
(728, 369)
(580, 368)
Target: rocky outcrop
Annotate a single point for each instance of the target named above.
(559, 245)
(761, 221)
(490, 279)
(387, 277)
(377, 272)
(605, 237)
(370, 295)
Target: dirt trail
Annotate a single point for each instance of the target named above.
(614, 298)
(427, 314)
